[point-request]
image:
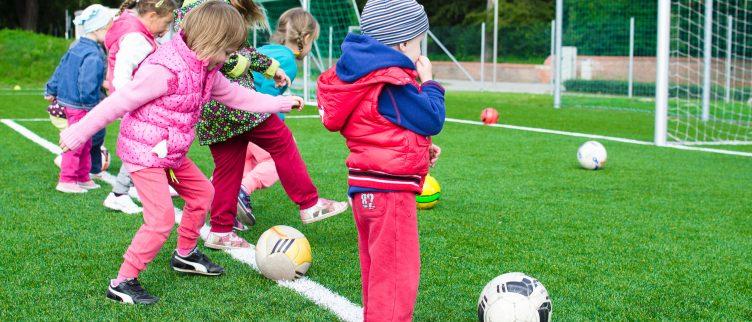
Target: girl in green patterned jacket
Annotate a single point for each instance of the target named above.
(227, 132)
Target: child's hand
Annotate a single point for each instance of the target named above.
(300, 103)
(63, 146)
(433, 153)
(49, 98)
(280, 78)
(424, 68)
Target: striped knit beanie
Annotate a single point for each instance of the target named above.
(393, 21)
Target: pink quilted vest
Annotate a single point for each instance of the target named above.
(125, 24)
(171, 117)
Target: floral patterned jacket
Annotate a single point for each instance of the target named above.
(219, 123)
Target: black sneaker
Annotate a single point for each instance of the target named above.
(245, 209)
(131, 292)
(195, 263)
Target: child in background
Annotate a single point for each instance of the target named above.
(76, 85)
(161, 107)
(129, 41)
(228, 132)
(259, 171)
(387, 118)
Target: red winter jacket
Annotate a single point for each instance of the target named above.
(383, 155)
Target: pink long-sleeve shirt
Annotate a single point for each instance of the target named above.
(151, 82)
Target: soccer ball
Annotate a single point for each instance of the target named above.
(592, 155)
(430, 195)
(514, 297)
(105, 159)
(283, 253)
(17, 88)
(489, 116)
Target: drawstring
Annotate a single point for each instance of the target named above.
(172, 176)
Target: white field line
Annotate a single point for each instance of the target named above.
(315, 292)
(539, 130)
(601, 137)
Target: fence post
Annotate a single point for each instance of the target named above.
(631, 56)
(553, 50)
(558, 60)
(496, 40)
(331, 44)
(661, 73)
(729, 43)
(483, 56)
(708, 60)
(67, 24)
(306, 65)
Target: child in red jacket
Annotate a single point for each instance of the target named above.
(387, 118)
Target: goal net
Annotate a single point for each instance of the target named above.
(710, 72)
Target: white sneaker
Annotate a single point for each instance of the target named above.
(70, 187)
(89, 185)
(323, 209)
(134, 193)
(122, 203)
(58, 161)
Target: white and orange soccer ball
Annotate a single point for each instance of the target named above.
(283, 253)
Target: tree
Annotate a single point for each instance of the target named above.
(28, 14)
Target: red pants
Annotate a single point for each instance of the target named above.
(229, 161)
(389, 250)
(159, 213)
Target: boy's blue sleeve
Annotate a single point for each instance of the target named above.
(90, 78)
(51, 87)
(419, 110)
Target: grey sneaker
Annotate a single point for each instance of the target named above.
(323, 209)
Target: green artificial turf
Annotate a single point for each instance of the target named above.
(659, 234)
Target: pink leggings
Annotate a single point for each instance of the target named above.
(76, 164)
(259, 172)
(159, 214)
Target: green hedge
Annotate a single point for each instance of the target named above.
(27, 58)
(614, 87)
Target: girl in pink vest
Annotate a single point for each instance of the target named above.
(131, 38)
(160, 109)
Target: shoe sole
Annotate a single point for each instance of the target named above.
(222, 247)
(120, 209)
(71, 191)
(320, 218)
(190, 271)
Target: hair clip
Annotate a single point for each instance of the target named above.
(159, 4)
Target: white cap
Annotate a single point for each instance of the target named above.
(94, 17)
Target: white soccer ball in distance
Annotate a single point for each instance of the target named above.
(592, 155)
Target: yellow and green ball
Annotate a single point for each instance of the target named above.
(430, 195)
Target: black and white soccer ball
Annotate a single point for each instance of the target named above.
(514, 297)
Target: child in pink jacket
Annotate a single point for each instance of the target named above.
(160, 109)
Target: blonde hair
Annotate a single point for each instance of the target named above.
(253, 14)
(294, 26)
(213, 28)
(161, 7)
